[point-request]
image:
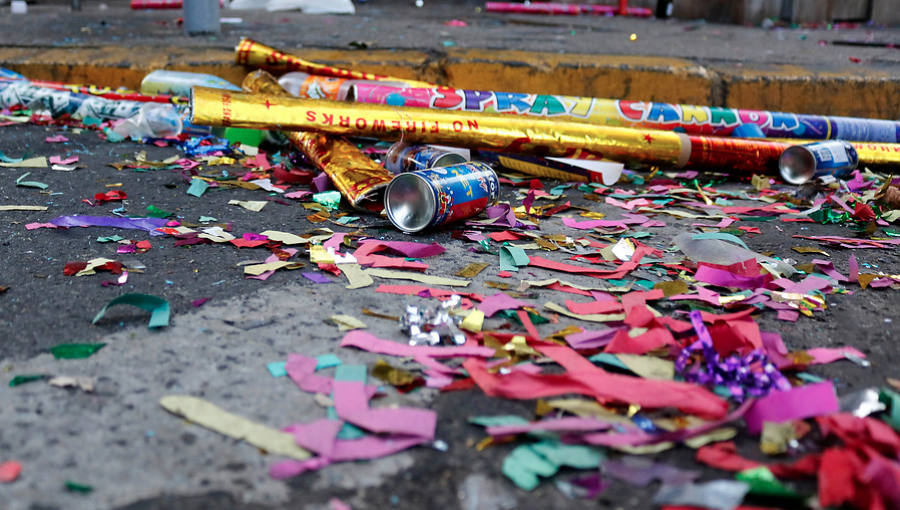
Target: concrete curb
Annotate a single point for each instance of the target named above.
(844, 90)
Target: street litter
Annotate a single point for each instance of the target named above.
(642, 342)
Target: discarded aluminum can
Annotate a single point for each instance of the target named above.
(801, 163)
(427, 198)
(403, 157)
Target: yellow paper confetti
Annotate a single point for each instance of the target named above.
(206, 414)
(250, 205)
(347, 322)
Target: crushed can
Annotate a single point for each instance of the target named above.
(800, 163)
(428, 198)
(403, 157)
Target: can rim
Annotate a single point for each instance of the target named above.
(430, 200)
(801, 155)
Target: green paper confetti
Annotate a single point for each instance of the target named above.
(110, 239)
(75, 351)
(327, 361)
(497, 421)
(720, 237)
(111, 136)
(198, 187)
(156, 212)
(763, 483)
(892, 400)
(6, 159)
(528, 462)
(344, 220)
(512, 257)
(207, 219)
(277, 368)
(330, 199)
(29, 184)
(25, 379)
(157, 306)
(570, 455)
(524, 465)
(514, 316)
(637, 235)
(78, 487)
(608, 359)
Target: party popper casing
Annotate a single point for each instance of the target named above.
(358, 178)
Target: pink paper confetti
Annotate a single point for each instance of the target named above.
(56, 139)
(499, 301)
(337, 504)
(825, 355)
(788, 315)
(799, 403)
(352, 404)
(57, 160)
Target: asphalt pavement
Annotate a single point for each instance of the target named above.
(135, 455)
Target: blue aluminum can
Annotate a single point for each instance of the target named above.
(801, 163)
(422, 199)
(402, 157)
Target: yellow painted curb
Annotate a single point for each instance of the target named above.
(852, 91)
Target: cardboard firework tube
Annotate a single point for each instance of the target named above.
(696, 120)
(255, 54)
(503, 133)
(358, 178)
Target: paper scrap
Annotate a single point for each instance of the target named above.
(716, 495)
(40, 162)
(157, 306)
(512, 258)
(356, 276)
(472, 270)
(206, 414)
(197, 187)
(258, 269)
(85, 383)
(802, 402)
(75, 351)
(250, 205)
(277, 368)
(23, 208)
(347, 322)
(10, 471)
(527, 463)
(473, 322)
(421, 278)
(649, 367)
(21, 182)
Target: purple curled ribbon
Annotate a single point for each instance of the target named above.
(751, 375)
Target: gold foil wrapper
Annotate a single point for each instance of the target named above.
(255, 54)
(878, 154)
(358, 178)
(499, 132)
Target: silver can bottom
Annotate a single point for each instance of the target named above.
(410, 203)
(797, 165)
